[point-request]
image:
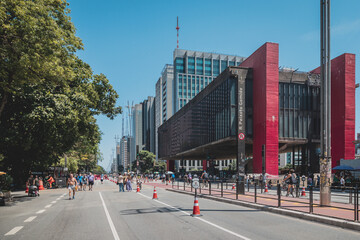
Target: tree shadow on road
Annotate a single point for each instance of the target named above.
(177, 209)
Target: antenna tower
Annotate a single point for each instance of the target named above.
(177, 29)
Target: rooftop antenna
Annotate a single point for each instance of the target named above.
(177, 29)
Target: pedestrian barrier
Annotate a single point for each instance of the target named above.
(303, 192)
(277, 198)
(196, 209)
(155, 194)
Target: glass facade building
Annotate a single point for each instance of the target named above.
(194, 71)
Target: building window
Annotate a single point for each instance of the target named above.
(199, 66)
(216, 66)
(231, 63)
(180, 86)
(223, 65)
(191, 65)
(189, 87)
(193, 87)
(185, 85)
(208, 67)
(197, 85)
(179, 65)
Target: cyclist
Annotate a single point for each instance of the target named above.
(205, 178)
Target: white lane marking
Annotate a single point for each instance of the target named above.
(203, 220)
(40, 211)
(116, 236)
(53, 202)
(47, 206)
(14, 230)
(30, 219)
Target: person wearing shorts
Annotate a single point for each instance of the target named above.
(71, 184)
(91, 181)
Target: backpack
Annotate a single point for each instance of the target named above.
(293, 178)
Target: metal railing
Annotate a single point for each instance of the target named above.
(224, 189)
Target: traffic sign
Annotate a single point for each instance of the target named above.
(195, 183)
(241, 136)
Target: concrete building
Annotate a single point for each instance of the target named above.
(125, 153)
(194, 70)
(137, 126)
(254, 111)
(163, 100)
(148, 124)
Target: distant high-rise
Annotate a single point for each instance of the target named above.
(137, 126)
(148, 124)
(163, 99)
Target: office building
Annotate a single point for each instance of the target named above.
(194, 70)
(163, 99)
(254, 111)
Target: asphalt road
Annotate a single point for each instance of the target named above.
(106, 214)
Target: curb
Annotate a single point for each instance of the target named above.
(306, 216)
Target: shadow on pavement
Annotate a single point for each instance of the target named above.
(177, 209)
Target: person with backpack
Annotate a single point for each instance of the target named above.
(205, 178)
(291, 180)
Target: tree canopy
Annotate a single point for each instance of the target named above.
(48, 96)
(147, 163)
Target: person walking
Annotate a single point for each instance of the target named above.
(290, 180)
(84, 182)
(342, 183)
(91, 181)
(71, 184)
(128, 184)
(120, 182)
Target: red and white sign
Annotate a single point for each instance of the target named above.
(241, 136)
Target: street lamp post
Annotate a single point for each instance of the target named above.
(325, 135)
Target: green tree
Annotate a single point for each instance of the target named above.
(49, 97)
(37, 45)
(146, 162)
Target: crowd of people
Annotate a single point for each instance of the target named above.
(80, 182)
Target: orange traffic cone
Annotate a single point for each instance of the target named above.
(138, 189)
(155, 194)
(41, 185)
(196, 209)
(303, 192)
(233, 187)
(27, 189)
(266, 188)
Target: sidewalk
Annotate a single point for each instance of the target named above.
(338, 214)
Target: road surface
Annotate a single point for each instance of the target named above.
(104, 214)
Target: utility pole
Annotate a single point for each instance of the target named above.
(325, 102)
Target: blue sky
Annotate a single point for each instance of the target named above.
(131, 41)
